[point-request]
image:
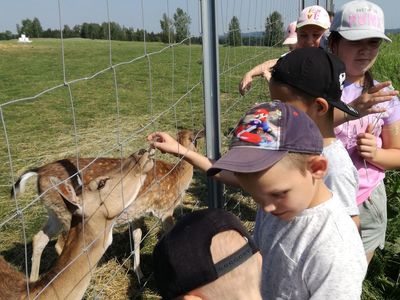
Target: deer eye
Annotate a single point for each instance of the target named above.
(102, 183)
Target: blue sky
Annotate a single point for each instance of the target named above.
(251, 13)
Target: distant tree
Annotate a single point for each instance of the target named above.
(85, 30)
(49, 33)
(181, 22)
(129, 33)
(7, 35)
(116, 31)
(234, 35)
(36, 28)
(139, 35)
(67, 32)
(26, 27)
(274, 30)
(167, 30)
(77, 30)
(153, 37)
(95, 31)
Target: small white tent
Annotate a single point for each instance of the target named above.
(24, 39)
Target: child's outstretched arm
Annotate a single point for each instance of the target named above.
(260, 70)
(387, 157)
(167, 144)
(365, 103)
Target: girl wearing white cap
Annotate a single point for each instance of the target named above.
(310, 28)
(372, 141)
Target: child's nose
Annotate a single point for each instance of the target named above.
(269, 208)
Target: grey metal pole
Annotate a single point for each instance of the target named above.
(211, 95)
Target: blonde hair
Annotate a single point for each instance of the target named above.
(242, 280)
(297, 161)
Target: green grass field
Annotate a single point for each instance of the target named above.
(97, 110)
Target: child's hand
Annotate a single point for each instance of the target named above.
(365, 104)
(166, 143)
(267, 75)
(366, 144)
(245, 84)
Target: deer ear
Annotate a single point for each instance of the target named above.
(200, 134)
(67, 192)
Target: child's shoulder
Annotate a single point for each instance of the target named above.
(337, 156)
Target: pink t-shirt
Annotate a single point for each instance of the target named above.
(369, 175)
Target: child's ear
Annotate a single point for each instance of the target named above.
(322, 105)
(318, 166)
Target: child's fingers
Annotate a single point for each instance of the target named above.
(153, 135)
(382, 97)
(366, 142)
(376, 88)
(243, 87)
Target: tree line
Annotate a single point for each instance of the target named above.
(272, 35)
(173, 30)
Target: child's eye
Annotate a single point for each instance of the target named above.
(279, 194)
(375, 42)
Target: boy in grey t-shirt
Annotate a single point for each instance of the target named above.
(310, 247)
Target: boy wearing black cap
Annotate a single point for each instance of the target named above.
(312, 80)
(208, 254)
(310, 247)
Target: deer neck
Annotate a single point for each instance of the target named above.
(185, 167)
(73, 270)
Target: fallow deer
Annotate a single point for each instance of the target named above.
(93, 212)
(162, 191)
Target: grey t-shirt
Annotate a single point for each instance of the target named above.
(342, 177)
(317, 255)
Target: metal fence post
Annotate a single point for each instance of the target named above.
(211, 94)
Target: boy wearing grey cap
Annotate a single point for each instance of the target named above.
(310, 247)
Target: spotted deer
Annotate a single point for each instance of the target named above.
(93, 212)
(164, 187)
(163, 190)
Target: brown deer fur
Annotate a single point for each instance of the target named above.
(104, 197)
(161, 192)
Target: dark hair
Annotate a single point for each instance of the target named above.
(303, 96)
(300, 95)
(330, 13)
(334, 39)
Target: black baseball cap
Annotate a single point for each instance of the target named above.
(315, 72)
(182, 258)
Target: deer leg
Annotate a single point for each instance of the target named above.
(137, 236)
(167, 222)
(40, 241)
(61, 242)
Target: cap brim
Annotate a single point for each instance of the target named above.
(299, 25)
(345, 107)
(246, 160)
(355, 35)
(290, 41)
